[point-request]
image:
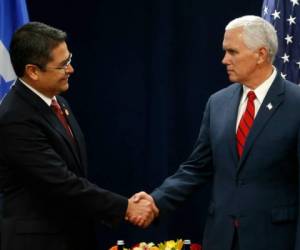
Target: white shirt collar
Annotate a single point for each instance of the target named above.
(46, 99)
(262, 90)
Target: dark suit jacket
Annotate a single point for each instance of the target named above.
(261, 189)
(48, 202)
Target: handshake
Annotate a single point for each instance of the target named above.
(141, 210)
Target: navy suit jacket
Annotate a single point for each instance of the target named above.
(48, 202)
(260, 190)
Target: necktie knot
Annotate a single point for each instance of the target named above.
(55, 106)
(251, 96)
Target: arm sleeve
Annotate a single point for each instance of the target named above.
(28, 153)
(195, 171)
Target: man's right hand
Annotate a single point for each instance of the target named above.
(141, 210)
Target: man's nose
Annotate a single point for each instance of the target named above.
(225, 59)
(70, 69)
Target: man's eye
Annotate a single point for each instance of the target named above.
(232, 52)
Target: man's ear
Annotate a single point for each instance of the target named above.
(32, 71)
(263, 55)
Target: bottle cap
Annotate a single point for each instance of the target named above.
(120, 242)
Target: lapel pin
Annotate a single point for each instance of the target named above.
(67, 112)
(270, 106)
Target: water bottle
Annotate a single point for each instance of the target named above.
(186, 245)
(120, 244)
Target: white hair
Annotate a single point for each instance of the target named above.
(257, 33)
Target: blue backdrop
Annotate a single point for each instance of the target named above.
(143, 73)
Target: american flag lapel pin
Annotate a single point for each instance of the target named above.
(269, 106)
(67, 112)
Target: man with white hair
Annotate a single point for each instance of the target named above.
(248, 147)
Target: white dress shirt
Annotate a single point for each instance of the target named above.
(260, 92)
(46, 99)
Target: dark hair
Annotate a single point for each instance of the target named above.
(33, 44)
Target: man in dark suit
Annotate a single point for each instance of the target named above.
(248, 147)
(48, 202)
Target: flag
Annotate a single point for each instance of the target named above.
(13, 14)
(285, 17)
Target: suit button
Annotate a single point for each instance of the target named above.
(236, 223)
(240, 182)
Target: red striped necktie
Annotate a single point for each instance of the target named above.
(245, 123)
(61, 117)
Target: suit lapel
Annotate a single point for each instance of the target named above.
(72, 143)
(48, 114)
(74, 127)
(272, 101)
(232, 116)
